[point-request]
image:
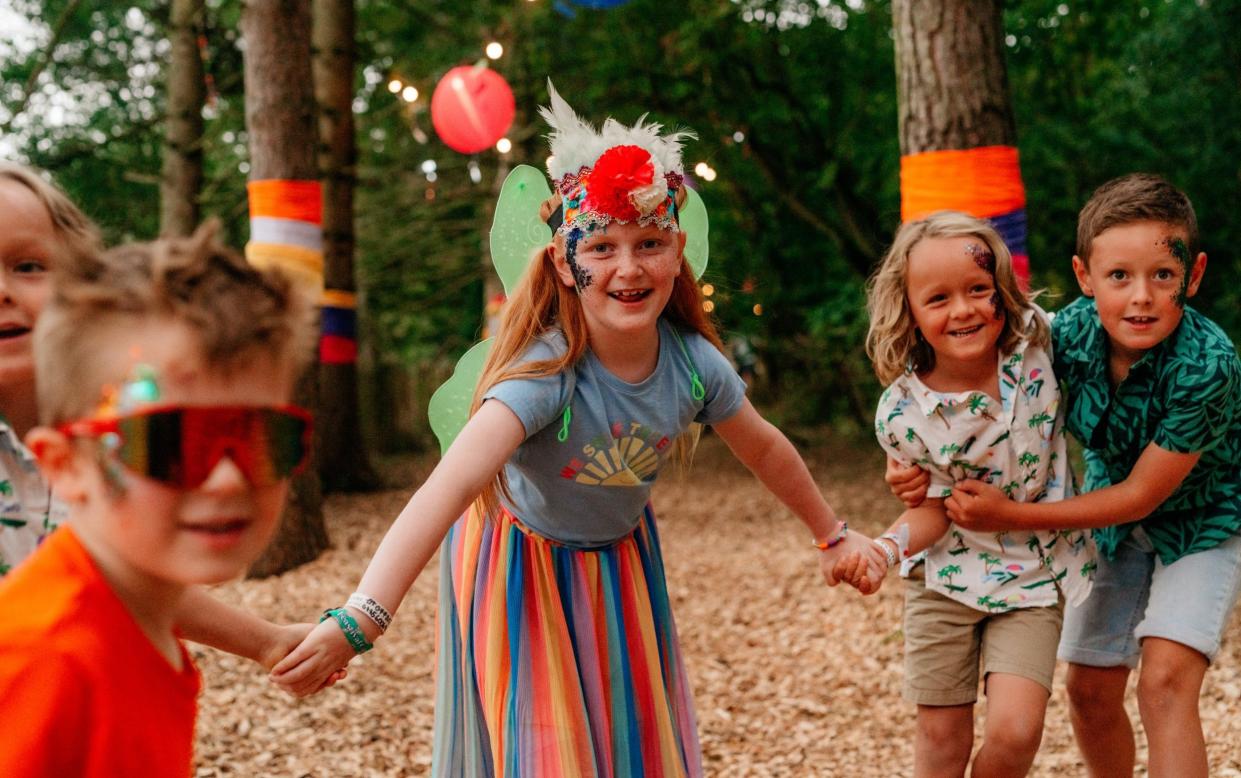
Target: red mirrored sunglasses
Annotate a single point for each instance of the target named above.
(181, 445)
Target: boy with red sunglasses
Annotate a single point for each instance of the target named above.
(164, 372)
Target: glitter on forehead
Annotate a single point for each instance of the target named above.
(982, 256)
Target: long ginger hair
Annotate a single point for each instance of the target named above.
(542, 303)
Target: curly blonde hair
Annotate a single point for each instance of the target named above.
(892, 342)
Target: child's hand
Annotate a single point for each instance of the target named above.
(861, 573)
(909, 484)
(283, 640)
(316, 663)
(978, 505)
(830, 562)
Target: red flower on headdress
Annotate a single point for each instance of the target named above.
(617, 172)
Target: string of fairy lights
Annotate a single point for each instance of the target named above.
(493, 51)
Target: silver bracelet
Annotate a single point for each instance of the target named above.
(888, 550)
(372, 609)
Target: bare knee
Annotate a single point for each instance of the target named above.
(1167, 687)
(1097, 693)
(1014, 736)
(945, 739)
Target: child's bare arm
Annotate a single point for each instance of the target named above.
(1156, 475)
(927, 523)
(486, 442)
(772, 458)
(202, 618)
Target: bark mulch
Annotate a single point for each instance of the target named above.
(791, 678)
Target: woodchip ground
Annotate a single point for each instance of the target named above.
(791, 678)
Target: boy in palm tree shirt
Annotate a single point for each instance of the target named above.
(1154, 395)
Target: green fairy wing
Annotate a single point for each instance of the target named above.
(516, 231)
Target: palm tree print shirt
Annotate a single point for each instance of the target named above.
(1184, 395)
(1016, 443)
(27, 511)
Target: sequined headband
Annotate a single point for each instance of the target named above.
(625, 185)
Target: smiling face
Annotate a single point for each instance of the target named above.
(205, 534)
(28, 245)
(624, 275)
(951, 291)
(1140, 275)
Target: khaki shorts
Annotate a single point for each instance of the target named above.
(944, 640)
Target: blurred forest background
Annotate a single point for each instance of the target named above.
(794, 103)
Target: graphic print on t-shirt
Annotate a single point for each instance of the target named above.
(626, 457)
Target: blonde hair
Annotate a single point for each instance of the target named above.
(542, 303)
(232, 308)
(77, 236)
(892, 341)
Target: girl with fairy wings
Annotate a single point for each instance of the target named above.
(558, 654)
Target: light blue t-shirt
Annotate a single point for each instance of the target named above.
(591, 488)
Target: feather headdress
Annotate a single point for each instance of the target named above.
(617, 173)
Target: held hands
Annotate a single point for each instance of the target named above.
(978, 505)
(909, 484)
(855, 560)
(316, 663)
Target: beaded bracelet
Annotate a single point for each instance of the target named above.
(824, 545)
(353, 633)
(373, 610)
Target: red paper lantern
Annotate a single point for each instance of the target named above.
(472, 108)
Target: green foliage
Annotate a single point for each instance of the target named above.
(794, 105)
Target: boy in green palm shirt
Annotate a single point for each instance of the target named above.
(1154, 395)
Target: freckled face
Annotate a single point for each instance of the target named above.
(1139, 275)
(952, 296)
(624, 274)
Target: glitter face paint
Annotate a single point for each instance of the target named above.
(581, 276)
(985, 259)
(1177, 248)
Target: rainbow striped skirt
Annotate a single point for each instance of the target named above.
(558, 661)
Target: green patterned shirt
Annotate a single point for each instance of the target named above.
(1184, 395)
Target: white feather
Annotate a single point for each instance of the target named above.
(576, 144)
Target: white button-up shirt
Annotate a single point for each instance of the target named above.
(28, 512)
(1016, 443)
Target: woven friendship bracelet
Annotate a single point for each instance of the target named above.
(353, 633)
(373, 610)
(824, 545)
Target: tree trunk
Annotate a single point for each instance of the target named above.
(182, 175)
(343, 463)
(281, 126)
(952, 84)
(958, 135)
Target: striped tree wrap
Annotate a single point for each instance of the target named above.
(983, 182)
(558, 661)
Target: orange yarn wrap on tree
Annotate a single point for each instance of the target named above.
(984, 182)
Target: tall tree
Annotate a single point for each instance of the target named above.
(957, 132)
(343, 462)
(181, 178)
(281, 125)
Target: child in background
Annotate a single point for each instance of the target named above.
(972, 394)
(163, 376)
(557, 650)
(40, 230)
(1154, 395)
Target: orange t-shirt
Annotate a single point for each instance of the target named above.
(83, 692)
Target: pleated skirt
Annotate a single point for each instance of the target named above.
(558, 661)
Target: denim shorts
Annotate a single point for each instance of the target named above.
(1137, 596)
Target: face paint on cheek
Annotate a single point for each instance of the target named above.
(1177, 248)
(985, 259)
(581, 276)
